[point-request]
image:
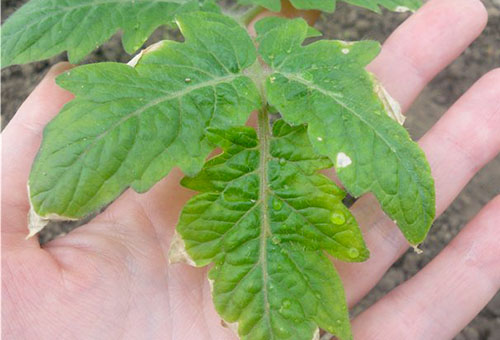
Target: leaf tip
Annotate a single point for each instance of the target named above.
(233, 326)
(391, 105)
(35, 223)
(178, 253)
(402, 9)
(416, 249)
(316, 334)
(135, 60)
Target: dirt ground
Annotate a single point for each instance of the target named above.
(349, 23)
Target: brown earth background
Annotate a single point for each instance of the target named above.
(350, 23)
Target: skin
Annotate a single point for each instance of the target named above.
(110, 279)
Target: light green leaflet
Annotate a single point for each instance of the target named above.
(329, 5)
(128, 126)
(265, 217)
(325, 85)
(44, 28)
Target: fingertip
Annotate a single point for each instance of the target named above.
(48, 94)
(494, 208)
(479, 11)
(483, 94)
(43, 103)
(475, 9)
(492, 78)
(49, 80)
(496, 200)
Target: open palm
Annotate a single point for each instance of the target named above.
(111, 279)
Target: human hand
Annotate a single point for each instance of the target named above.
(110, 279)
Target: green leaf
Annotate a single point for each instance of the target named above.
(265, 217)
(329, 5)
(128, 126)
(325, 85)
(43, 28)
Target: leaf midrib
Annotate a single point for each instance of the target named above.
(264, 135)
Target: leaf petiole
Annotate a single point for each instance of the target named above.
(246, 18)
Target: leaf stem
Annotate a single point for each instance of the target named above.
(246, 18)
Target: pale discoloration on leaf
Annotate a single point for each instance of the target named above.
(133, 62)
(233, 326)
(37, 223)
(393, 109)
(402, 9)
(342, 160)
(178, 253)
(417, 250)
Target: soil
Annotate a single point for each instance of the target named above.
(350, 23)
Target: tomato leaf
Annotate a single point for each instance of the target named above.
(325, 86)
(265, 217)
(43, 28)
(128, 126)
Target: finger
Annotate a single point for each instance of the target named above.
(425, 44)
(449, 292)
(21, 140)
(462, 142)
